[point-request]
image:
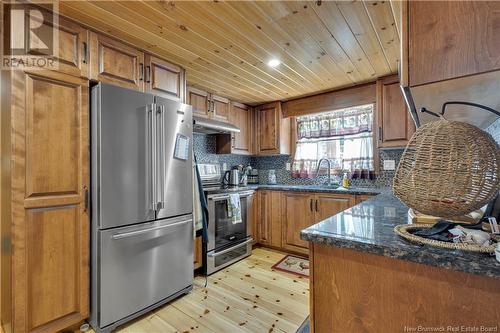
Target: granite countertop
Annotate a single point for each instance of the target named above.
(369, 227)
(302, 188)
(319, 188)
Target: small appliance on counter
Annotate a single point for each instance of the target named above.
(237, 176)
(228, 241)
(253, 177)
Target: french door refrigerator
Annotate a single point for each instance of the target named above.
(142, 229)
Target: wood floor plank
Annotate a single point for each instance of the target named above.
(248, 296)
(272, 320)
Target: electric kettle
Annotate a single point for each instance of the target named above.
(232, 177)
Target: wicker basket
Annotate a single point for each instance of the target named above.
(406, 231)
(449, 168)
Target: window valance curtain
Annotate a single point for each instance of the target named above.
(343, 136)
(338, 123)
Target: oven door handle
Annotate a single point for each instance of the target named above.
(225, 196)
(216, 254)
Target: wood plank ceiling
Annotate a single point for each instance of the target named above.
(225, 45)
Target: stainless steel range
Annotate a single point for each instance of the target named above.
(227, 242)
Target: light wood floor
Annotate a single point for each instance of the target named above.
(246, 297)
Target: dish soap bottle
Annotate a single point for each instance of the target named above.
(346, 182)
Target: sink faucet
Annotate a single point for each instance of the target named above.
(329, 182)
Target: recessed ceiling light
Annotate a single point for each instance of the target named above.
(274, 63)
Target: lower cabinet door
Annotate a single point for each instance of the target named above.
(327, 205)
(264, 220)
(298, 214)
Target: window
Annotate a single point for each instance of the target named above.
(344, 136)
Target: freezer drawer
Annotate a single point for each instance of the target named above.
(142, 265)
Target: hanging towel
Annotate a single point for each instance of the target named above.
(197, 210)
(203, 204)
(234, 208)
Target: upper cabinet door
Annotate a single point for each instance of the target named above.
(164, 79)
(268, 128)
(116, 63)
(449, 39)
(273, 131)
(199, 100)
(220, 108)
(395, 125)
(51, 225)
(72, 55)
(241, 117)
(73, 49)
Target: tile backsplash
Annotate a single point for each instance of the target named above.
(278, 163)
(205, 146)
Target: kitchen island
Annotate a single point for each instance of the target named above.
(365, 278)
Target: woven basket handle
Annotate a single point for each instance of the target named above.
(443, 108)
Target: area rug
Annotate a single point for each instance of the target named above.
(293, 265)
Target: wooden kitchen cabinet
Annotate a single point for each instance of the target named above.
(116, 63)
(220, 108)
(164, 78)
(395, 124)
(240, 143)
(298, 214)
(301, 210)
(208, 105)
(45, 285)
(199, 100)
(450, 52)
(273, 134)
(446, 39)
(327, 205)
(73, 46)
(268, 218)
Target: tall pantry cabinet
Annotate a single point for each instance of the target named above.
(46, 222)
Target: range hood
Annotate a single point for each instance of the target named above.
(211, 126)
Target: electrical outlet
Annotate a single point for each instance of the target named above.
(288, 166)
(389, 212)
(389, 165)
(224, 166)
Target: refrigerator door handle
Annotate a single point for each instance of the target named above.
(161, 203)
(152, 131)
(145, 231)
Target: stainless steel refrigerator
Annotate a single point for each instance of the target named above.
(141, 199)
